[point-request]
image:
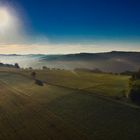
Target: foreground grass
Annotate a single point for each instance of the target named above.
(60, 111)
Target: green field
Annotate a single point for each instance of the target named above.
(105, 84)
(70, 106)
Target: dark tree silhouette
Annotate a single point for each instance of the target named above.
(44, 67)
(33, 74)
(136, 75)
(135, 88)
(17, 65)
(30, 68)
(135, 95)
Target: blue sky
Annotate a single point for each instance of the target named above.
(89, 19)
(81, 21)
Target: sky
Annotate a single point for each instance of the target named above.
(69, 26)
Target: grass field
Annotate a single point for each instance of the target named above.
(67, 107)
(105, 84)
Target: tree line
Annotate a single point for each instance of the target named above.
(135, 87)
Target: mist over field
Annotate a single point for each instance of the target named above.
(108, 62)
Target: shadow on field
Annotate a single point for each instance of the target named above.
(95, 117)
(39, 82)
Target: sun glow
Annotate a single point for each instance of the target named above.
(10, 25)
(6, 19)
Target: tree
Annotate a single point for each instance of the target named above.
(33, 74)
(135, 88)
(44, 68)
(30, 68)
(17, 65)
(136, 75)
(135, 94)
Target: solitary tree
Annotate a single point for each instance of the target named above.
(30, 68)
(17, 65)
(44, 67)
(33, 74)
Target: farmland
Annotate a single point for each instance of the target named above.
(69, 106)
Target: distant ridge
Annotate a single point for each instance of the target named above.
(114, 61)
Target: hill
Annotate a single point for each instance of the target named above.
(108, 62)
(115, 61)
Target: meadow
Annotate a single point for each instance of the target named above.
(69, 106)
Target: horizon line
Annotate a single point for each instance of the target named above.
(70, 53)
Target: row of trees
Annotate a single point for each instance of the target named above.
(136, 75)
(16, 65)
(135, 87)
